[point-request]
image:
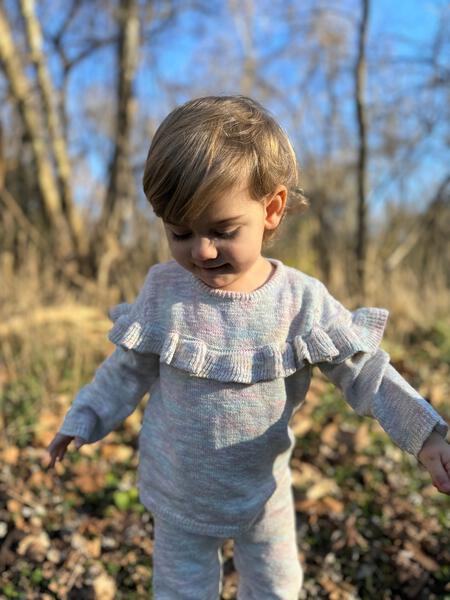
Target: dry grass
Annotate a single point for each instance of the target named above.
(53, 334)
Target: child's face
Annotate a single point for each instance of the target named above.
(228, 236)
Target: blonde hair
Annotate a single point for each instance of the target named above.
(208, 145)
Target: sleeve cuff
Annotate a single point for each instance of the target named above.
(424, 431)
(82, 424)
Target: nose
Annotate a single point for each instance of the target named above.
(203, 249)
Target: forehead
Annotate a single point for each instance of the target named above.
(231, 207)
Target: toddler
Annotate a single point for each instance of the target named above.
(225, 340)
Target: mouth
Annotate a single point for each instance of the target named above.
(218, 268)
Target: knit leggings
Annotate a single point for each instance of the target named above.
(188, 566)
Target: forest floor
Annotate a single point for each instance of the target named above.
(370, 525)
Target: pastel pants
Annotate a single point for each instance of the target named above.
(188, 566)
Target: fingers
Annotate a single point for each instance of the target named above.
(440, 474)
(58, 446)
(51, 464)
(446, 469)
(54, 456)
(57, 450)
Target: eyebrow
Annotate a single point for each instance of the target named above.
(221, 222)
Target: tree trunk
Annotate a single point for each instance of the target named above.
(361, 172)
(120, 176)
(20, 91)
(119, 193)
(54, 126)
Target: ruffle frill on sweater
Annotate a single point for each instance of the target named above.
(330, 339)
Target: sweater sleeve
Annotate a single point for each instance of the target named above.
(374, 388)
(361, 370)
(114, 393)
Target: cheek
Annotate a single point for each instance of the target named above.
(175, 249)
(242, 251)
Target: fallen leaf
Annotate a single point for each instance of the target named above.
(303, 473)
(329, 435)
(425, 561)
(321, 489)
(301, 424)
(116, 452)
(104, 587)
(362, 438)
(34, 546)
(13, 506)
(10, 455)
(88, 478)
(354, 538)
(334, 505)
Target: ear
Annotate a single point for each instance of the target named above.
(274, 207)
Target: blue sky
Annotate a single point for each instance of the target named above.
(178, 56)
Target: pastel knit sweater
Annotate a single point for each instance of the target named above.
(225, 371)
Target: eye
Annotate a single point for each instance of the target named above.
(180, 237)
(229, 234)
(226, 235)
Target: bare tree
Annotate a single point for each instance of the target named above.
(120, 188)
(54, 126)
(20, 89)
(361, 172)
(127, 62)
(308, 72)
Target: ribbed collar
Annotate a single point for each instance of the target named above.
(236, 296)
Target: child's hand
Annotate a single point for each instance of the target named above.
(435, 457)
(58, 445)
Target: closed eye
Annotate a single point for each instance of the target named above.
(224, 235)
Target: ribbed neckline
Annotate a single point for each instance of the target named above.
(243, 296)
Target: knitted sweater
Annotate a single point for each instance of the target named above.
(225, 371)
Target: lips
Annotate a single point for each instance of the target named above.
(212, 268)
